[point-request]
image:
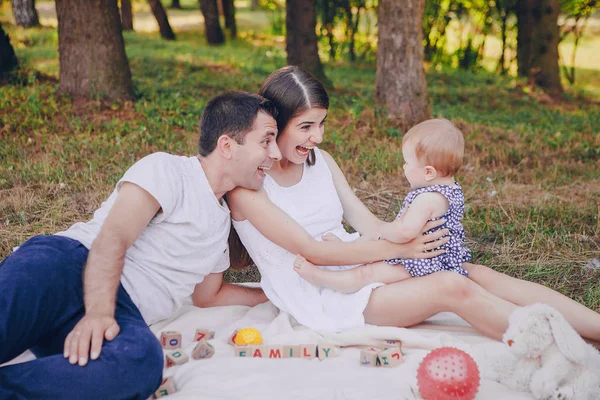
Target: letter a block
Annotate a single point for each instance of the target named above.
(203, 350)
(368, 358)
(259, 351)
(166, 388)
(176, 358)
(170, 340)
(203, 334)
(390, 357)
(326, 351)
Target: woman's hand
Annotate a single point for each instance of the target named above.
(426, 245)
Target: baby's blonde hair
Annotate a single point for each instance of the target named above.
(438, 143)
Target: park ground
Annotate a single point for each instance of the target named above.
(531, 176)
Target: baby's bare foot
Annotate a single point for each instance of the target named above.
(307, 270)
(330, 237)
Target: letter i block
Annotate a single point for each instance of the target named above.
(203, 334)
(203, 350)
(176, 358)
(170, 340)
(275, 351)
(166, 388)
(308, 351)
(243, 351)
(390, 357)
(291, 351)
(326, 351)
(259, 351)
(368, 358)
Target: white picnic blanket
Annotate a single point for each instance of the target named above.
(226, 377)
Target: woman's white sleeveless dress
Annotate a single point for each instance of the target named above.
(314, 204)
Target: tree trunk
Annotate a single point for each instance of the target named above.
(8, 60)
(545, 70)
(92, 58)
(229, 12)
(525, 26)
(301, 38)
(163, 21)
(537, 43)
(400, 85)
(212, 26)
(176, 4)
(254, 5)
(25, 13)
(126, 15)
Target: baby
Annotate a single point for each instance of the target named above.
(433, 152)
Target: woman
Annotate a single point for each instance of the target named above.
(305, 195)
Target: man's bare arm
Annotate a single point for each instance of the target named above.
(128, 217)
(213, 292)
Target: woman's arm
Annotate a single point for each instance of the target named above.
(281, 229)
(355, 212)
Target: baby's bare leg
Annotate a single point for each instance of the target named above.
(349, 281)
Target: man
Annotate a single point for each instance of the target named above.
(82, 299)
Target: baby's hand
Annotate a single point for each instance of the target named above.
(330, 237)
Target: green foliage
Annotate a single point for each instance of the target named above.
(530, 177)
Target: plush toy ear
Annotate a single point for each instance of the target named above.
(570, 344)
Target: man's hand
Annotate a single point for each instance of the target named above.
(91, 329)
(427, 245)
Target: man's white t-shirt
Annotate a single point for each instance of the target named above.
(183, 243)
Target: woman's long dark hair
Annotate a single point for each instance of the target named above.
(293, 91)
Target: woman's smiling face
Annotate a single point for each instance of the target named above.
(302, 133)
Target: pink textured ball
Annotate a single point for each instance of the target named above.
(448, 374)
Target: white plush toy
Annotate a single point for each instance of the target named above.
(552, 360)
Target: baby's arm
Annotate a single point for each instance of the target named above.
(425, 207)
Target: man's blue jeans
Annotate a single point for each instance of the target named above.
(41, 300)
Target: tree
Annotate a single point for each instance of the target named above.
(301, 38)
(163, 21)
(176, 4)
(92, 58)
(8, 60)
(25, 13)
(126, 15)
(212, 26)
(229, 13)
(537, 43)
(400, 85)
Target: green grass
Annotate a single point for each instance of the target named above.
(531, 177)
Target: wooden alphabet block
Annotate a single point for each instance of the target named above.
(291, 351)
(203, 350)
(274, 352)
(232, 337)
(203, 334)
(259, 351)
(393, 344)
(243, 351)
(170, 340)
(166, 388)
(390, 357)
(176, 358)
(368, 358)
(326, 351)
(308, 351)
